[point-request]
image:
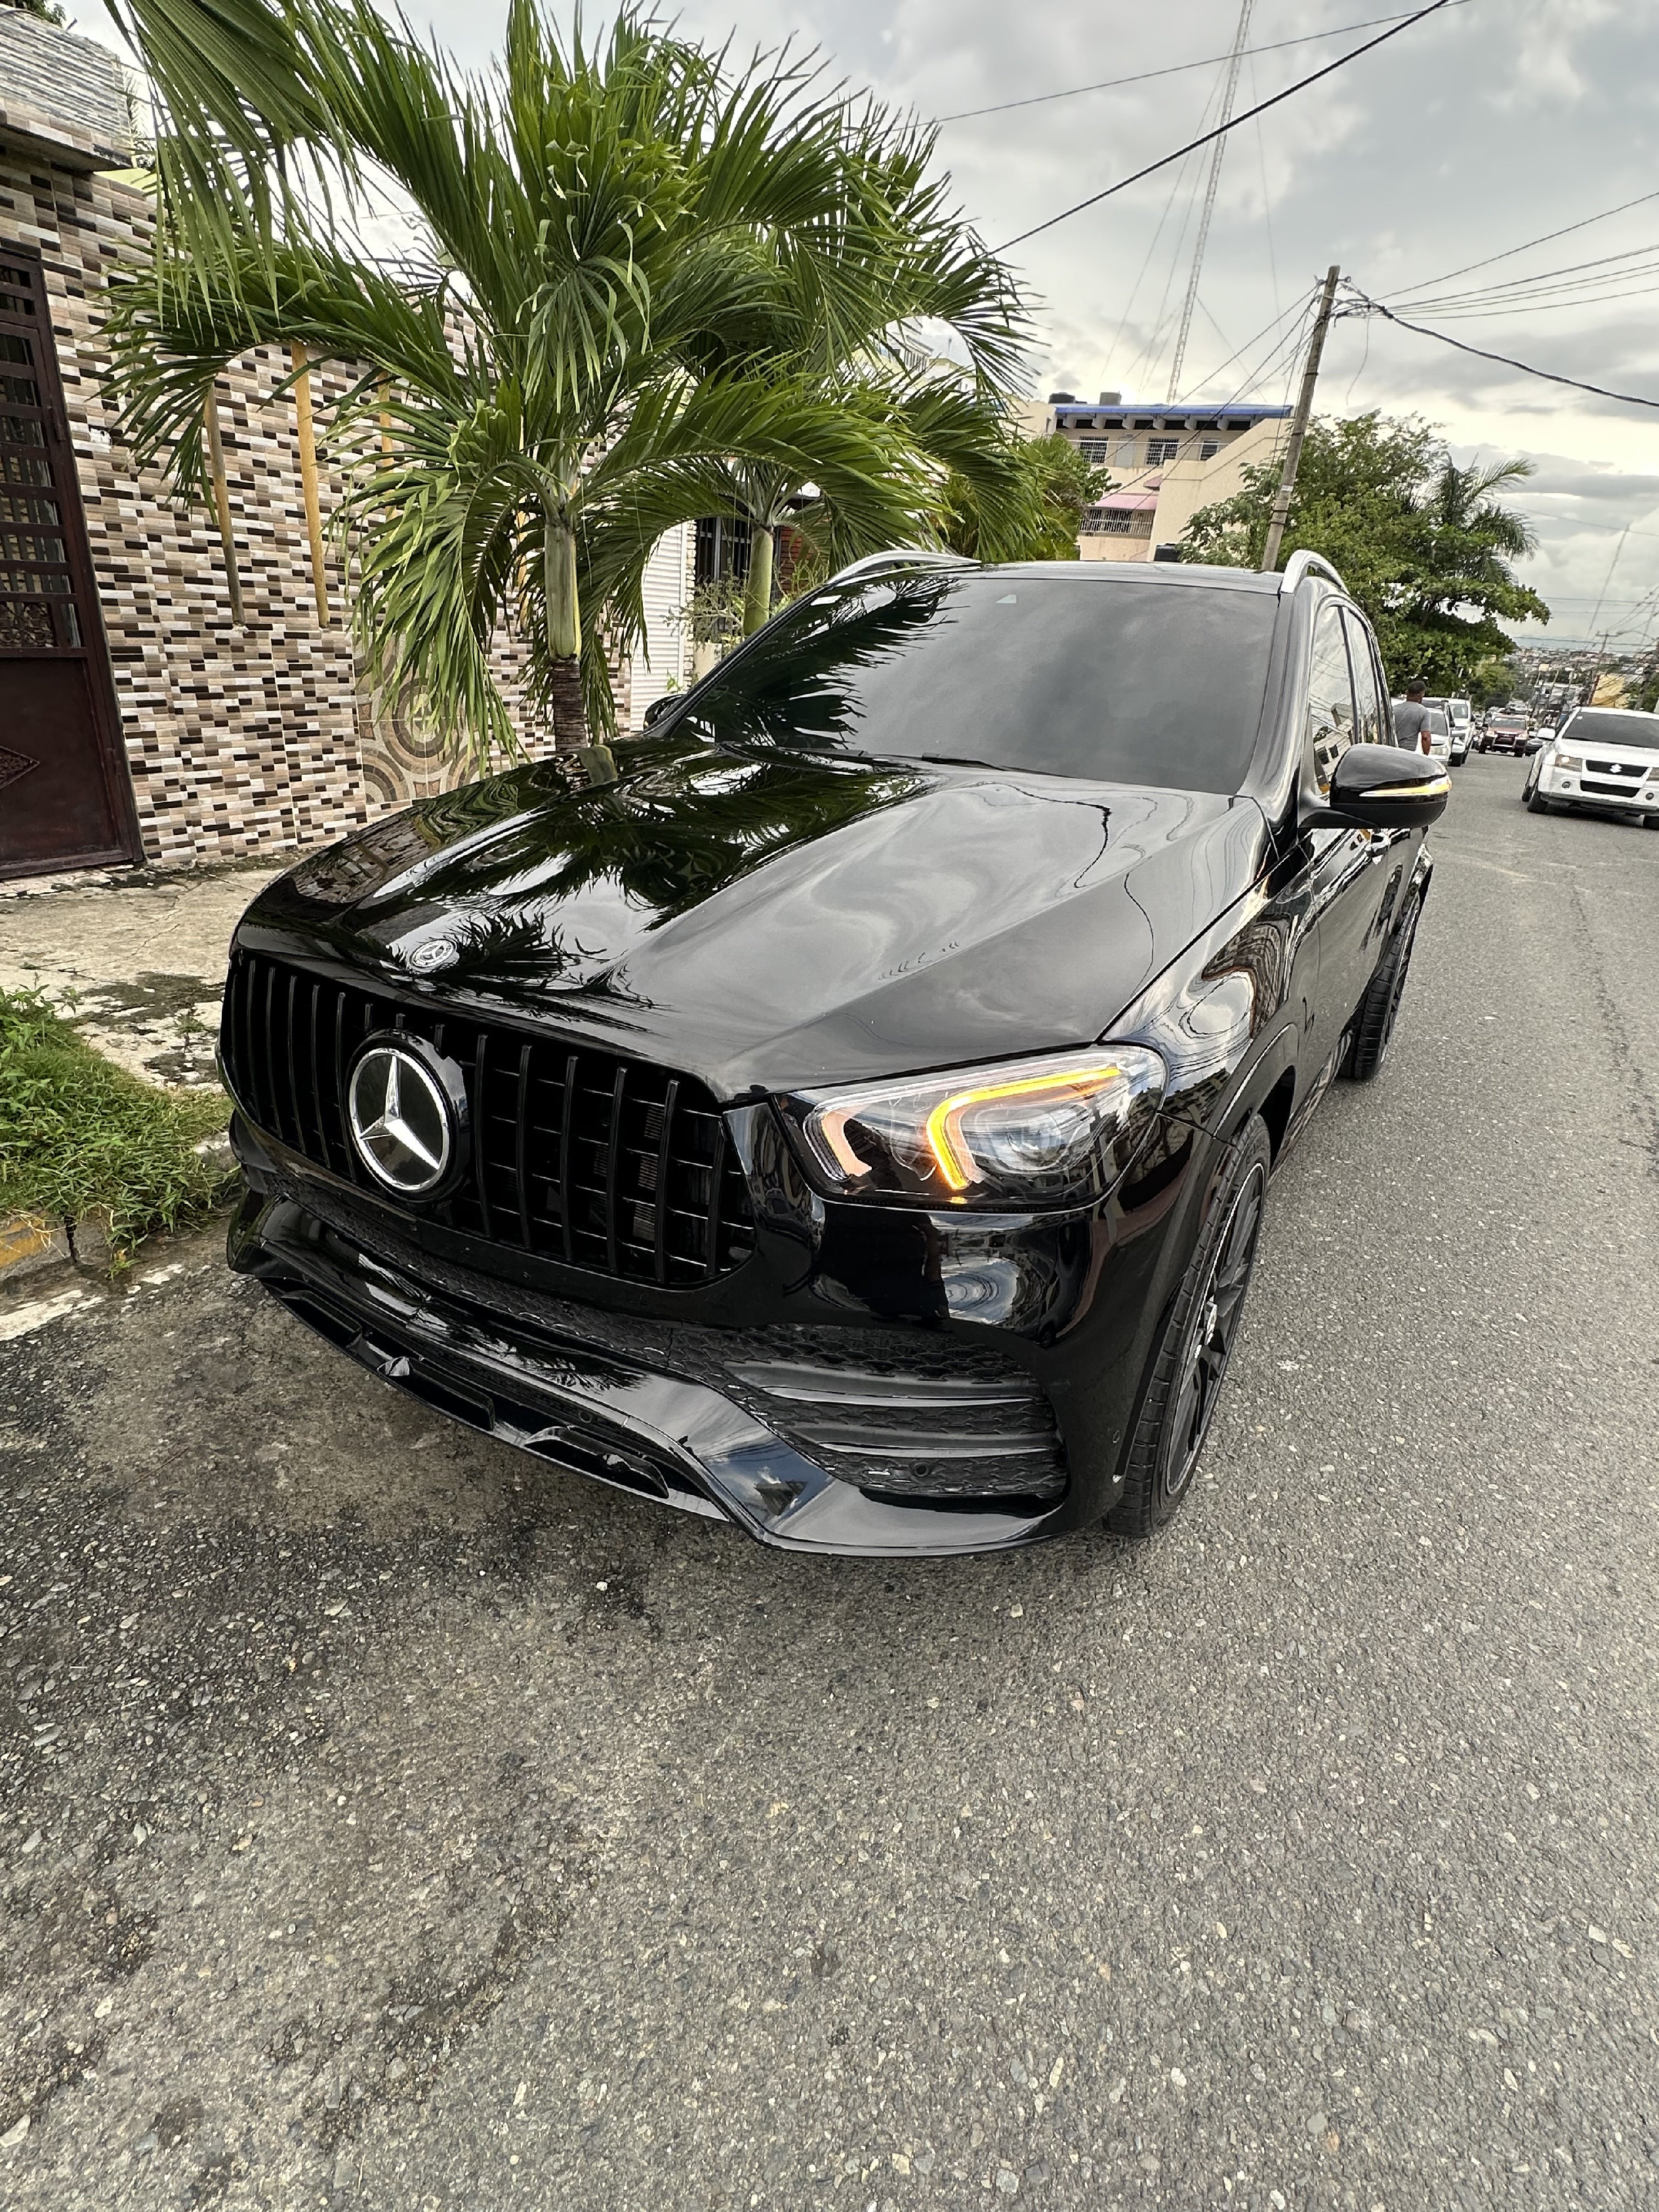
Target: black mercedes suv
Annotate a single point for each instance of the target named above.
(852, 1118)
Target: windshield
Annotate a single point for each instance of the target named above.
(1640, 732)
(1115, 682)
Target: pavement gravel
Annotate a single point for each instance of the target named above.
(389, 1819)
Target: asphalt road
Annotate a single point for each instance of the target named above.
(389, 1821)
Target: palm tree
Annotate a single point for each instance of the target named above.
(1459, 541)
(855, 306)
(546, 380)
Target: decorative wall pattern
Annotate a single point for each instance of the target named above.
(240, 739)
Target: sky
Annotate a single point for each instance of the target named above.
(1475, 132)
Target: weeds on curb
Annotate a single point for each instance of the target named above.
(80, 1137)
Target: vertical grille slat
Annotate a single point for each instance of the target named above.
(670, 1098)
(291, 1027)
(270, 1070)
(711, 1258)
(480, 1100)
(607, 1164)
(613, 1152)
(566, 1116)
(521, 1136)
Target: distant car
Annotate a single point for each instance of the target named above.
(1602, 760)
(1505, 733)
(1439, 734)
(1460, 721)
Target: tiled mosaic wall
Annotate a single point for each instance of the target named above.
(240, 740)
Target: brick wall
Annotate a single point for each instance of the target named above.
(240, 739)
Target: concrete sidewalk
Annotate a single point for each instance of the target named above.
(137, 958)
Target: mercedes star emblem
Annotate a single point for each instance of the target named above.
(402, 1124)
(431, 954)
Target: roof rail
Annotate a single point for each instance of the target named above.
(1302, 563)
(903, 556)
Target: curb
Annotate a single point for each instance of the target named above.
(32, 1245)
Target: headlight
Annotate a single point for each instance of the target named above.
(1058, 1131)
(1567, 760)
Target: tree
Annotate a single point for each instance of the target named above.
(847, 316)
(1424, 546)
(573, 354)
(1038, 518)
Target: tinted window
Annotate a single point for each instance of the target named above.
(1330, 696)
(1126, 682)
(1368, 699)
(1590, 728)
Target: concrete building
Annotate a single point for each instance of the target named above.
(1166, 463)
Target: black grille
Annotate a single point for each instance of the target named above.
(577, 1156)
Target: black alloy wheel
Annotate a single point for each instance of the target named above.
(1373, 1024)
(1191, 1362)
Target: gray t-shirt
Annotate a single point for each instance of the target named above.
(1411, 718)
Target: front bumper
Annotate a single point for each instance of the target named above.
(554, 1391)
(1598, 794)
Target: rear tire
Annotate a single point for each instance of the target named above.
(1192, 1355)
(1373, 1025)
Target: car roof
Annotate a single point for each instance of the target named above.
(1171, 574)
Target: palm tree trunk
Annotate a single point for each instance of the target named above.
(564, 635)
(757, 594)
(564, 692)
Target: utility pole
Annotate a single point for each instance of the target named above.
(1229, 93)
(1299, 423)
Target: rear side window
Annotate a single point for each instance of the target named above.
(1369, 726)
(1115, 682)
(1330, 696)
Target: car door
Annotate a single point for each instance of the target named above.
(1347, 883)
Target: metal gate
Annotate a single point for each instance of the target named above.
(65, 797)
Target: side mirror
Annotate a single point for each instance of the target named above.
(659, 707)
(1383, 787)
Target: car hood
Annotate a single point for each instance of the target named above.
(776, 918)
(1606, 749)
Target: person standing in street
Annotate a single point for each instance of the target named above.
(1411, 720)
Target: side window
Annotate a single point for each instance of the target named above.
(1370, 708)
(1330, 696)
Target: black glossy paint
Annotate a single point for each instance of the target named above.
(778, 921)
(770, 922)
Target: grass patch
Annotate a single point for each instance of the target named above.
(80, 1136)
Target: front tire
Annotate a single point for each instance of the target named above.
(1192, 1355)
(1373, 1024)
(1536, 803)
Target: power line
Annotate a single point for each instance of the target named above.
(1510, 252)
(1543, 307)
(1192, 146)
(1573, 277)
(1175, 69)
(1601, 390)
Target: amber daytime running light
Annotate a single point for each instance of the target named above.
(1052, 1132)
